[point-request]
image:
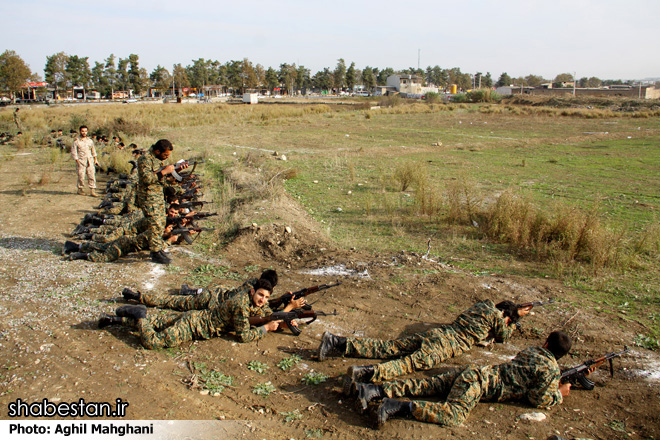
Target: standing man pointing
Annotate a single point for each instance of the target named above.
(84, 153)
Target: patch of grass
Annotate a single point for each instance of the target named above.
(315, 378)
(264, 389)
(207, 273)
(314, 433)
(214, 381)
(646, 342)
(289, 362)
(290, 416)
(258, 367)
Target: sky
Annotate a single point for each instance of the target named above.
(603, 38)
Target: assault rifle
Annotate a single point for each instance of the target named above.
(535, 304)
(288, 317)
(197, 216)
(108, 202)
(185, 232)
(285, 299)
(576, 375)
(178, 167)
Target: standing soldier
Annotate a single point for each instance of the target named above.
(84, 153)
(151, 198)
(17, 120)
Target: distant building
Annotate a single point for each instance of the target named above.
(627, 91)
(411, 86)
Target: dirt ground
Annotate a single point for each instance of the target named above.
(50, 346)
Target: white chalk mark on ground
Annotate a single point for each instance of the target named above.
(338, 270)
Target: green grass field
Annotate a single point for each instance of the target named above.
(345, 157)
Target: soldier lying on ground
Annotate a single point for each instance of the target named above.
(232, 314)
(424, 351)
(532, 375)
(106, 252)
(200, 299)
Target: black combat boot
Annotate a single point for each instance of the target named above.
(106, 320)
(185, 290)
(129, 295)
(96, 221)
(160, 257)
(69, 247)
(393, 408)
(366, 393)
(331, 344)
(135, 312)
(357, 374)
(78, 256)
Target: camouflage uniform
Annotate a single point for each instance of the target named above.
(533, 374)
(424, 351)
(134, 225)
(230, 315)
(151, 199)
(209, 298)
(106, 252)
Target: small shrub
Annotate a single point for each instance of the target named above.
(646, 342)
(291, 416)
(257, 366)
(314, 378)
(405, 174)
(264, 389)
(289, 362)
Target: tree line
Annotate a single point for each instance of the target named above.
(63, 71)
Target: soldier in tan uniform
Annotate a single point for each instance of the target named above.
(84, 153)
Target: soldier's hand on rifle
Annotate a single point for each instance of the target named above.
(524, 311)
(565, 389)
(594, 367)
(272, 325)
(298, 303)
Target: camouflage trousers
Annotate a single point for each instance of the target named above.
(202, 301)
(103, 253)
(463, 388)
(108, 233)
(155, 220)
(421, 351)
(174, 329)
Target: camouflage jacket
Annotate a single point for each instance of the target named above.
(233, 312)
(150, 187)
(533, 374)
(478, 322)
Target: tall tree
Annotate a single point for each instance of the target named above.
(487, 81)
(249, 75)
(161, 79)
(99, 81)
(381, 78)
(135, 75)
(77, 71)
(339, 74)
(504, 80)
(534, 80)
(287, 76)
(110, 74)
(303, 79)
(260, 74)
(180, 77)
(14, 73)
(350, 76)
(323, 79)
(234, 77)
(271, 79)
(199, 73)
(368, 78)
(123, 80)
(55, 70)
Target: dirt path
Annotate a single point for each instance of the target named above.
(50, 346)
